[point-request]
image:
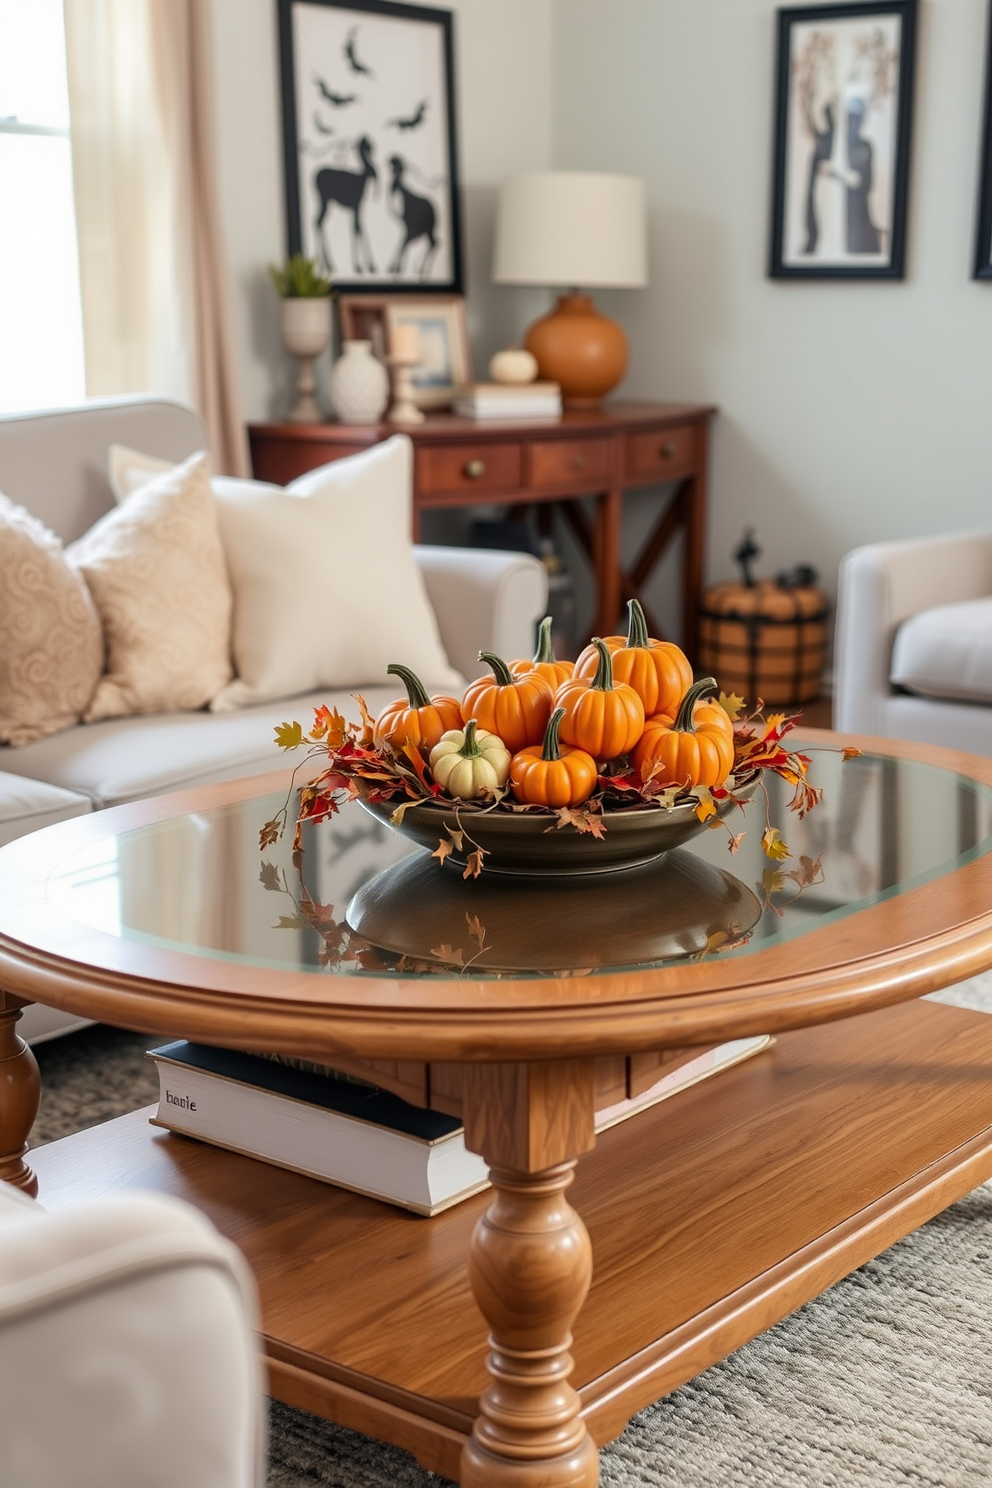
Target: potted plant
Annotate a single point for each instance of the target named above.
(306, 325)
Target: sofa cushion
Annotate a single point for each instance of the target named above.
(26, 805)
(946, 652)
(306, 615)
(51, 645)
(125, 759)
(156, 570)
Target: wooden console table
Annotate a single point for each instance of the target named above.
(601, 454)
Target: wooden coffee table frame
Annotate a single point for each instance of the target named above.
(711, 1218)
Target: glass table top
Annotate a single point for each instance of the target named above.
(363, 900)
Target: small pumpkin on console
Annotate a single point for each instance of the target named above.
(602, 717)
(416, 719)
(658, 671)
(544, 660)
(553, 774)
(697, 748)
(515, 708)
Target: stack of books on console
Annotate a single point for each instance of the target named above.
(498, 400)
(328, 1125)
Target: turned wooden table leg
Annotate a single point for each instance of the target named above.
(530, 1265)
(20, 1093)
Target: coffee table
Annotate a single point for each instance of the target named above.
(710, 1216)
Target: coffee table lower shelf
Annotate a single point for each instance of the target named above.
(711, 1217)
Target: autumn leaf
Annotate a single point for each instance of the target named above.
(269, 877)
(446, 953)
(705, 807)
(735, 841)
(473, 863)
(773, 845)
(368, 722)
(270, 833)
(290, 922)
(732, 705)
(851, 753)
(443, 849)
(476, 929)
(772, 881)
(582, 821)
(289, 735)
(810, 871)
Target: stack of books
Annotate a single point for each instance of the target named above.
(498, 400)
(344, 1131)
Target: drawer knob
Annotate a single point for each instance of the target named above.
(668, 450)
(579, 462)
(475, 469)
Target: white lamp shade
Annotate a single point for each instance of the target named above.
(571, 229)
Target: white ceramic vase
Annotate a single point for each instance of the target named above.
(306, 332)
(359, 385)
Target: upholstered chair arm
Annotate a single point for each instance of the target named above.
(484, 600)
(879, 587)
(128, 1349)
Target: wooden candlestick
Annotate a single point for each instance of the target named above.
(403, 409)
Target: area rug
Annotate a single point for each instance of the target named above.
(885, 1380)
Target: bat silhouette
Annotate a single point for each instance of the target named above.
(338, 100)
(349, 51)
(415, 119)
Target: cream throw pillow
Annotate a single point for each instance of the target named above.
(327, 591)
(155, 568)
(51, 645)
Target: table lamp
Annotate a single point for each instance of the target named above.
(573, 230)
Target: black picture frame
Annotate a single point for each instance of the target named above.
(843, 128)
(370, 156)
(983, 228)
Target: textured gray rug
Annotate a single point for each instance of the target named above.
(885, 1380)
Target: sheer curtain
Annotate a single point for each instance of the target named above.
(156, 299)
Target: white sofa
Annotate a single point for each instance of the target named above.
(55, 465)
(913, 657)
(128, 1352)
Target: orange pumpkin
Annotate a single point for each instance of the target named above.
(697, 748)
(658, 671)
(517, 709)
(551, 774)
(416, 719)
(602, 717)
(545, 661)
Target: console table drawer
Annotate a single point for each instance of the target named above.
(576, 463)
(661, 456)
(469, 467)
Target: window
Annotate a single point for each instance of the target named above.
(41, 330)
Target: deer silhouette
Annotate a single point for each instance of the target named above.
(347, 189)
(417, 215)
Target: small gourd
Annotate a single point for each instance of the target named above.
(658, 671)
(513, 366)
(604, 718)
(468, 761)
(416, 719)
(697, 748)
(516, 709)
(544, 660)
(553, 774)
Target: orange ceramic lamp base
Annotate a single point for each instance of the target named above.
(580, 349)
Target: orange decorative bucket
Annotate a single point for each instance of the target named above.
(765, 640)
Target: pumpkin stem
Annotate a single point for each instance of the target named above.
(470, 748)
(415, 690)
(501, 671)
(603, 680)
(637, 629)
(683, 724)
(545, 651)
(551, 751)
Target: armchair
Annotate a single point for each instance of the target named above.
(926, 681)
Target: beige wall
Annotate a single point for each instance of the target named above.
(503, 66)
(849, 412)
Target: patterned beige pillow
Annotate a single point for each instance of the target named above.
(155, 568)
(51, 645)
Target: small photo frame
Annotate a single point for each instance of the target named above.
(440, 319)
(843, 118)
(983, 236)
(369, 143)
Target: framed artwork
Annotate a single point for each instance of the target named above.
(843, 117)
(369, 143)
(983, 237)
(440, 319)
